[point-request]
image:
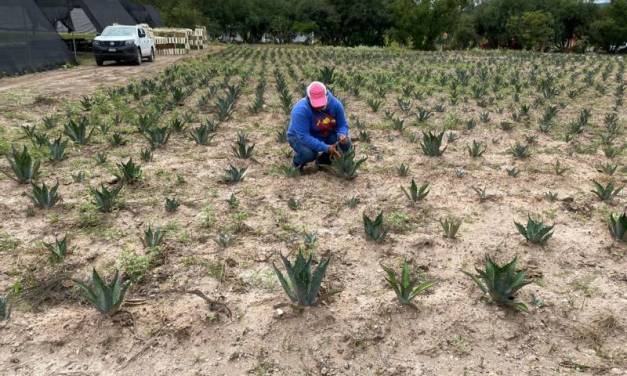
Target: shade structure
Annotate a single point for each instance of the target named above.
(28, 42)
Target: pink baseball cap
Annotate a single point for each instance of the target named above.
(317, 94)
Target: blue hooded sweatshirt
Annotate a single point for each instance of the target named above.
(311, 127)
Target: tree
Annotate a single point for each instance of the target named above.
(610, 31)
(533, 30)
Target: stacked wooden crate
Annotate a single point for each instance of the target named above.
(170, 41)
(198, 40)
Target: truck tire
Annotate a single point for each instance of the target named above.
(138, 59)
(99, 62)
(151, 58)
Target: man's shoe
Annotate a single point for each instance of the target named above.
(323, 159)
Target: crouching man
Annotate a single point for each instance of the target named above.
(318, 128)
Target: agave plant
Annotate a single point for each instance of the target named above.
(618, 226)
(104, 199)
(607, 168)
(242, 149)
(501, 282)
(415, 193)
(107, 298)
(58, 250)
(202, 134)
(157, 136)
(177, 124)
(477, 149)
(406, 288)
(153, 238)
(234, 174)
(402, 170)
(145, 155)
(57, 149)
(24, 166)
(520, 151)
(129, 172)
(171, 204)
(432, 144)
(290, 171)
(45, 197)
(78, 132)
(535, 232)
(303, 286)
(5, 308)
(451, 226)
(116, 140)
(606, 193)
(375, 230)
(223, 239)
(345, 166)
(422, 114)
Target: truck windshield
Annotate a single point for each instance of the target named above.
(118, 31)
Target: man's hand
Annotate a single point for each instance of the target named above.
(333, 152)
(343, 138)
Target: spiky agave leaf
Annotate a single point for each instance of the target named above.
(57, 149)
(5, 308)
(345, 166)
(24, 166)
(129, 172)
(303, 287)
(153, 237)
(104, 199)
(157, 136)
(617, 225)
(416, 193)
(78, 132)
(107, 298)
(606, 193)
(58, 250)
(501, 282)
(44, 197)
(432, 144)
(535, 232)
(407, 288)
(375, 230)
(242, 149)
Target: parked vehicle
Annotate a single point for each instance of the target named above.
(124, 43)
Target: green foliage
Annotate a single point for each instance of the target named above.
(422, 114)
(407, 287)
(58, 250)
(116, 140)
(101, 158)
(78, 132)
(618, 226)
(57, 150)
(432, 144)
(375, 230)
(107, 298)
(532, 29)
(607, 168)
(606, 193)
(224, 240)
(202, 134)
(303, 286)
(345, 166)
(501, 282)
(129, 172)
(104, 199)
(535, 232)
(157, 136)
(520, 151)
(415, 193)
(477, 149)
(558, 168)
(5, 308)
(44, 197)
(145, 155)
(171, 204)
(24, 166)
(242, 149)
(153, 238)
(289, 171)
(234, 174)
(402, 170)
(451, 226)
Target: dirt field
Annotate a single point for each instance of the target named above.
(576, 322)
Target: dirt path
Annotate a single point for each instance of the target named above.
(82, 80)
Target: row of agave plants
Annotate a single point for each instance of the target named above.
(487, 83)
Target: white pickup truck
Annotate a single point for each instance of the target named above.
(124, 43)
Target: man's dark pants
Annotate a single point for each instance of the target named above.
(304, 155)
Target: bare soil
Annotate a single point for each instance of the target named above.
(576, 322)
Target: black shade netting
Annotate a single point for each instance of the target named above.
(28, 42)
